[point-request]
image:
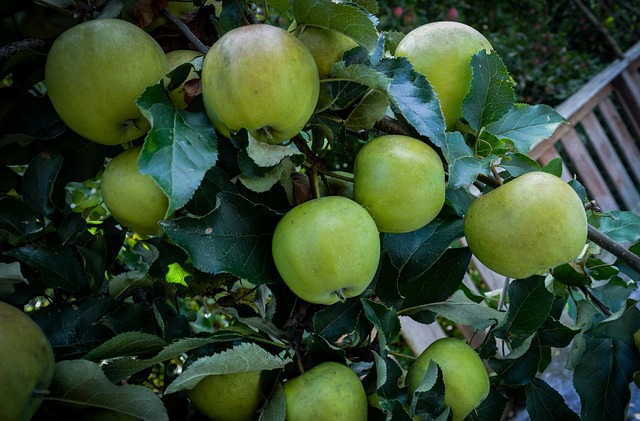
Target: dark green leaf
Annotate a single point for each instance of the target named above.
(38, 179)
(31, 119)
(614, 292)
(621, 226)
(352, 21)
(545, 403)
(529, 305)
(415, 252)
(83, 383)
(442, 279)
(491, 94)
(234, 238)
(621, 325)
(371, 108)
(459, 199)
(334, 321)
(387, 282)
(602, 378)
(492, 408)
(385, 319)
(555, 167)
(555, 334)
(525, 125)
(126, 344)
(387, 373)
(178, 150)
(518, 164)
(427, 401)
(59, 266)
(520, 366)
(16, 217)
(570, 275)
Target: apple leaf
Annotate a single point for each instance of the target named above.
(371, 108)
(520, 366)
(385, 319)
(38, 180)
(352, 21)
(529, 305)
(438, 283)
(83, 383)
(427, 401)
(334, 321)
(621, 226)
(620, 325)
(518, 164)
(491, 94)
(233, 238)
(555, 333)
(276, 409)
(126, 344)
(525, 125)
(602, 377)
(10, 274)
(414, 98)
(178, 150)
(16, 217)
(464, 166)
(388, 371)
(59, 266)
(240, 358)
(413, 253)
(120, 368)
(545, 403)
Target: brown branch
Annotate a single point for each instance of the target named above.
(391, 125)
(602, 306)
(614, 248)
(184, 29)
(18, 46)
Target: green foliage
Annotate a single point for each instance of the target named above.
(204, 297)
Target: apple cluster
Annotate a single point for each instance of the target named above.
(326, 249)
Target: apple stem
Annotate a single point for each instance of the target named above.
(496, 175)
(340, 294)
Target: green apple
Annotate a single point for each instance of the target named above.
(27, 366)
(326, 46)
(400, 181)
(442, 51)
(229, 397)
(527, 226)
(326, 249)
(175, 58)
(329, 391)
(260, 78)
(94, 73)
(465, 377)
(133, 199)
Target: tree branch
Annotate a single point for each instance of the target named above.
(602, 306)
(614, 248)
(184, 29)
(15, 47)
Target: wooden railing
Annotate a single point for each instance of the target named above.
(599, 146)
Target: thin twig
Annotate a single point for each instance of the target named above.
(15, 47)
(602, 306)
(184, 29)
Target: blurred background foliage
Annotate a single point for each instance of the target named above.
(551, 48)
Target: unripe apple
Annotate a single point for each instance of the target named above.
(329, 391)
(400, 181)
(133, 199)
(174, 59)
(260, 78)
(526, 226)
(465, 377)
(94, 73)
(442, 52)
(326, 46)
(229, 397)
(326, 249)
(26, 367)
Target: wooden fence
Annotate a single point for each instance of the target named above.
(600, 147)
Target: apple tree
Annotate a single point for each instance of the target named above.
(198, 235)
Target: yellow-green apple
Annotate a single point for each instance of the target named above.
(27, 365)
(326, 46)
(175, 58)
(329, 391)
(260, 78)
(400, 181)
(442, 52)
(527, 226)
(133, 199)
(465, 377)
(229, 397)
(326, 249)
(94, 73)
